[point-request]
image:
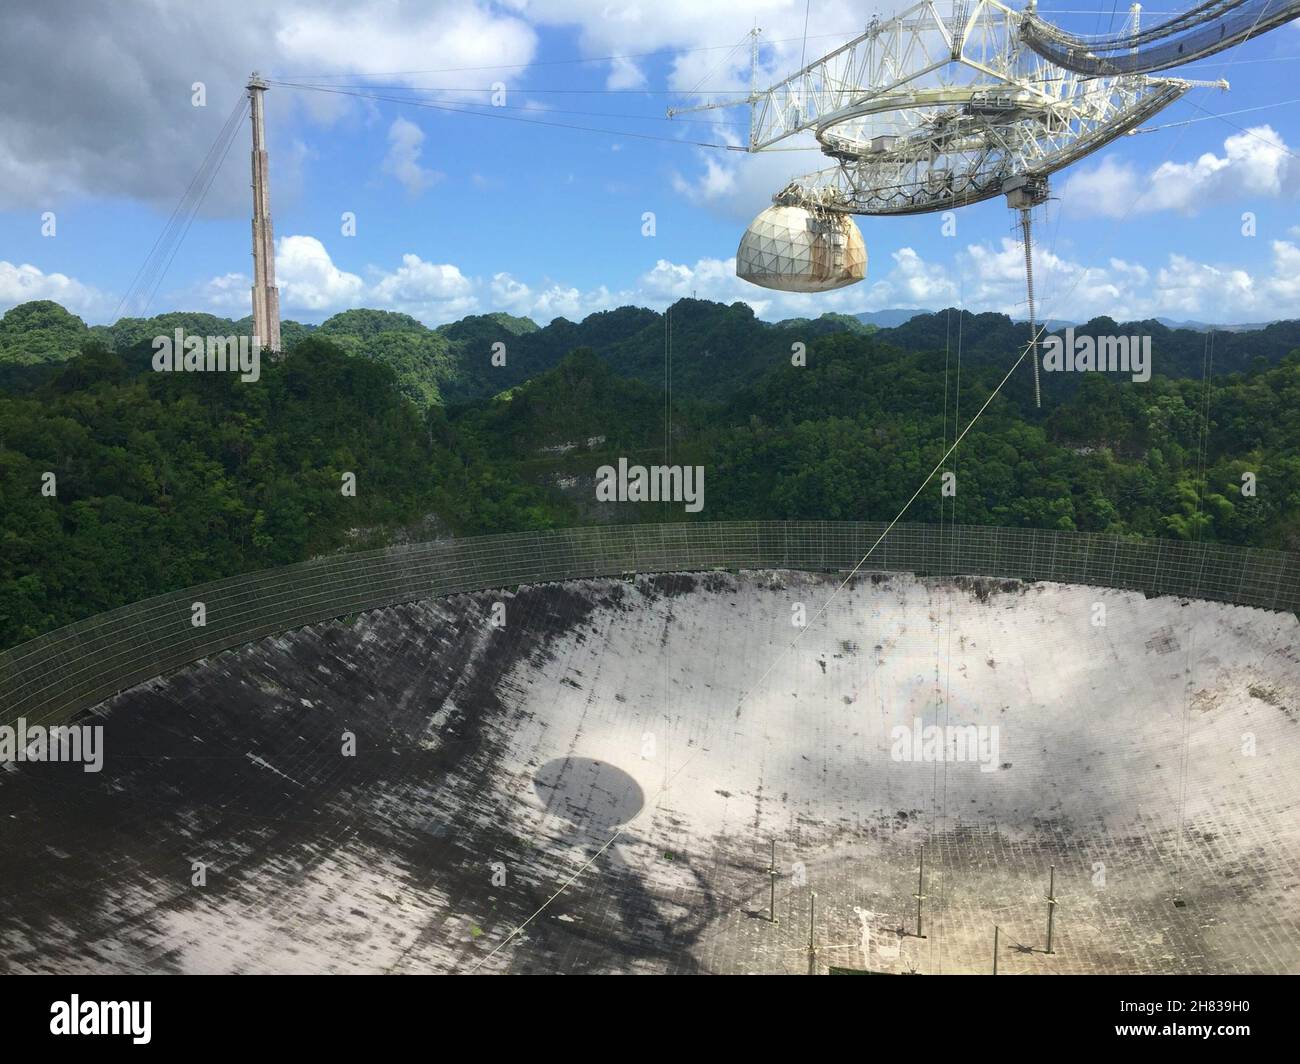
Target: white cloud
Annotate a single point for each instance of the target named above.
(913, 282)
(624, 74)
(991, 277)
(1110, 189)
(738, 185)
(229, 294)
(312, 287)
(24, 283)
(1186, 286)
(909, 282)
(100, 104)
(551, 300)
(510, 295)
(697, 31)
(979, 276)
(1283, 286)
(413, 41)
(717, 181)
(309, 280)
(1256, 162)
(405, 144)
(1131, 273)
(709, 279)
(425, 290)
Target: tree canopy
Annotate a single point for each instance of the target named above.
(161, 481)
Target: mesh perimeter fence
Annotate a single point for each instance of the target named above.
(49, 679)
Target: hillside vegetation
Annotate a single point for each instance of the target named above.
(166, 480)
(717, 350)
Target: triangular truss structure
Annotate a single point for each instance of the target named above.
(941, 106)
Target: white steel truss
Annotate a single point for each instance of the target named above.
(938, 108)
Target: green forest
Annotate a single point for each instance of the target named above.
(160, 481)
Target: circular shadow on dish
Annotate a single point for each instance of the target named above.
(589, 793)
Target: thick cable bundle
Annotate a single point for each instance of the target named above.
(1195, 34)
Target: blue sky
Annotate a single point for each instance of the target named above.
(460, 214)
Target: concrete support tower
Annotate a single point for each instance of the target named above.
(266, 297)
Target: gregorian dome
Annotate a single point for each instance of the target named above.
(793, 249)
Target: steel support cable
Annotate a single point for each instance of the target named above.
(525, 121)
(1223, 117)
(144, 275)
(746, 694)
(743, 94)
(300, 83)
(163, 247)
(716, 67)
(212, 176)
(193, 199)
(174, 236)
(840, 35)
(582, 59)
(368, 89)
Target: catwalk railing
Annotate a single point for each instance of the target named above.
(50, 678)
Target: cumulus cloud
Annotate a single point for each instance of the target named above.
(980, 276)
(405, 145)
(913, 282)
(24, 283)
(694, 31)
(906, 281)
(991, 277)
(624, 74)
(1254, 162)
(716, 182)
(228, 294)
(313, 286)
(738, 185)
(425, 290)
(410, 39)
(98, 97)
(550, 300)
(1181, 287)
(1109, 189)
(308, 278)
(510, 295)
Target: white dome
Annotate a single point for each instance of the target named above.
(794, 250)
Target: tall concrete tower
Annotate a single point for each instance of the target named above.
(266, 297)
